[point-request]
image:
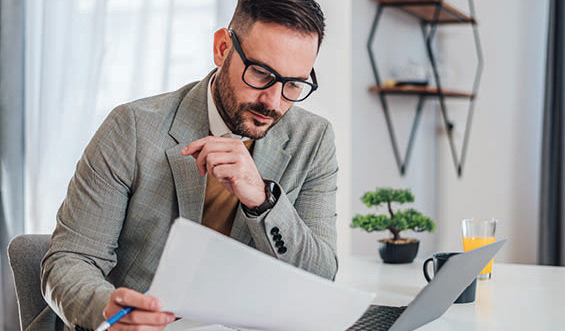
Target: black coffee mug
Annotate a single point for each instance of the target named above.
(468, 295)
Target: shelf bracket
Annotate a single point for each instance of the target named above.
(401, 162)
(429, 26)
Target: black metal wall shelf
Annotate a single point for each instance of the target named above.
(431, 14)
(425, 10)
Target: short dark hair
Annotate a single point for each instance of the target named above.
(301, 15)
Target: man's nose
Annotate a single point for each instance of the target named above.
(271, 97)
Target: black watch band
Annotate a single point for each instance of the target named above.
(272, 194)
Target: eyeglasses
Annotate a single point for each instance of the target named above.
(261, 77)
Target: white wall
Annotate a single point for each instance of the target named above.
(501, 175)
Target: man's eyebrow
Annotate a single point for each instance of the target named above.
(273, 70)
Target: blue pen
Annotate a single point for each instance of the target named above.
(112, 320)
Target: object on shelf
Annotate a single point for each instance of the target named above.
(431, 14)
(419, 90)
(396, 83)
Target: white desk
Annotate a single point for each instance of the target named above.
(518, 297)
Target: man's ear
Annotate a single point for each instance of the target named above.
(222, 45)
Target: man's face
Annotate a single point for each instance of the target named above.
(248, 111)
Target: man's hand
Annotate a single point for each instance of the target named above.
(146, 316)
(229, 161)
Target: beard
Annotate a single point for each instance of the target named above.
(232, 112)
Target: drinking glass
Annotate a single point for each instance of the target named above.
(477, 233)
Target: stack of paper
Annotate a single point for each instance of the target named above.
(208, 277)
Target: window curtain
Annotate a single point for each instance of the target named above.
(12, 30)
(552, 195)
(85, 57)
(65, 64)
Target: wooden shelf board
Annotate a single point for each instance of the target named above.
(425, 10)
(419, 90)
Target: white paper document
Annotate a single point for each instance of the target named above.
(208, 277)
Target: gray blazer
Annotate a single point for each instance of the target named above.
(132, 182)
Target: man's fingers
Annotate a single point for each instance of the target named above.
(129, 298)
(201, 160)
(124, 297)
(143, 317)
(223, 172)
(216, 159)
(223, 147)
(198, 145)
(193, 147)
(132, 327)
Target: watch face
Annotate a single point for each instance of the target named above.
(272, 200)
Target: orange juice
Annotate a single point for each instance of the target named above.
(470, 243)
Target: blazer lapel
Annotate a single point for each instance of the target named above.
(271, 161)
(190, 123)
(269, 156)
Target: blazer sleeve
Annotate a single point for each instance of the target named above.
(89, 221)
(303, 233)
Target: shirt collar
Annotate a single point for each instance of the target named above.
(218, 127)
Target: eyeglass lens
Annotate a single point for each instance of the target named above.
(260, 77)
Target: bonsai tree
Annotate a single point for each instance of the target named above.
(395, 222)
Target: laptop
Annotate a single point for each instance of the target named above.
(435, 298)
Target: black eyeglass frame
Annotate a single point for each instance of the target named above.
(278, 78)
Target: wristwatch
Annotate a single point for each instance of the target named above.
(272, 193)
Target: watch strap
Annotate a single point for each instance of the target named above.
(272, 194)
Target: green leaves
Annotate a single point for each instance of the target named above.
(371, 222)
(416, 221)
(409, 219)
(387, 195)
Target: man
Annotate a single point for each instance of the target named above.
(231, 152)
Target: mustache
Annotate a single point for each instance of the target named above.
(262, 110)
